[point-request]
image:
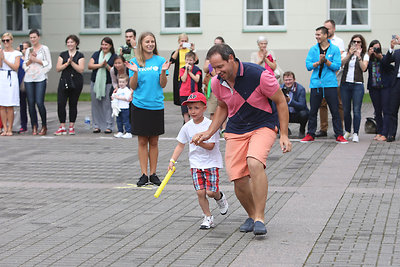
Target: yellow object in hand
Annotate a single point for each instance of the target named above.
(164, 182)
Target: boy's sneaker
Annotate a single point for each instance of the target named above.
(118, 135)
(347, 135)
(154, 179)
(307, 139)
(208, 222)
(143, 180)
(61, 131)
(340, 140)
(222, 204)
(127, 135)
(71, 131)
(355, 138)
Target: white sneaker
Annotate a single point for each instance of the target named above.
(347, 135)
(355, 138)
(127, 135)
(222, 204)
(118, 135)
(208, 222)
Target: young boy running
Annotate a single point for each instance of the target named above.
(205, 159)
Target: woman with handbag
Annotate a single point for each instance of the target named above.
(37, 64)
(71, 64)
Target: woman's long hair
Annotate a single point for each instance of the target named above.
(109, 41)
(374, 42)
(140, 55)
(363, 43)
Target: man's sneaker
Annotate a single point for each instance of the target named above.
(248, 226)
(222, 204)
(118, 135)
(321, 134)
(71, 131)
(208, 222)
(347, 135)
(340, 140)
(307, 139)
(143, 180)
(61, 131)
(355, 138)
(259, 228)
(127, 135)
(154, 179)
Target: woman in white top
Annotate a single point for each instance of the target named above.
(354, 64)
(263, 57)
(36, 65)
(9, 85)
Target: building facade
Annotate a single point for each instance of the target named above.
(289, 25)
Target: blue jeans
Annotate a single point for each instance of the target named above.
(331, 96)
(380, 99)
(352, 92)
(35, 92)
(123, 119)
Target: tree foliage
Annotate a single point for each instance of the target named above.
(28, 3)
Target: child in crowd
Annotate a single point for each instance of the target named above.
(190, 76)
(124, 96)
(205, 159)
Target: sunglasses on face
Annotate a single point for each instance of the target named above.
(356, 42)
(6, 40)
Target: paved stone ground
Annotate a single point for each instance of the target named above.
(69, 201)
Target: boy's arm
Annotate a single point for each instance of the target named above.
(195, 78)
(208, 146)
(177, 152)
(184, 74)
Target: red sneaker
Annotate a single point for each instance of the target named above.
(340, 140)
(60, 131)
(71, 131)
(307, 139)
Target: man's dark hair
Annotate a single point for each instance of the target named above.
(223, 49)
(331, 21)
(289, 73)
(34, 31)
(132, 31)
(323, 29)
(220, 38)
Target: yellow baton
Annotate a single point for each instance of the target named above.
(164, 182)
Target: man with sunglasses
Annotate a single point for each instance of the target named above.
(323, 60)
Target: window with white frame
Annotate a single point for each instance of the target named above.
(181, 15)
(264, 15)
(350, 14)
(20, 19)
(101, 15)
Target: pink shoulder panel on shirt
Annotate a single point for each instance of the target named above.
(268, 87)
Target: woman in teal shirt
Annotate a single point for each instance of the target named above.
(148, 72)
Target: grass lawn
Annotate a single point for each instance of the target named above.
(52, 97)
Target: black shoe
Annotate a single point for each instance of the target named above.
(143, 180)
(154, 179)
(321, 134)
(390, 139)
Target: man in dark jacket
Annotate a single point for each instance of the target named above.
(296, 98)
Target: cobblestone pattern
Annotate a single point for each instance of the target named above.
(365, 226)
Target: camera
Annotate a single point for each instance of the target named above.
(377, 50)
(125, 49)
(21, 47)
(186, 45)
(285, 91)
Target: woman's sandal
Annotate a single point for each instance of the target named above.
(97, 130)
(108, 131)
